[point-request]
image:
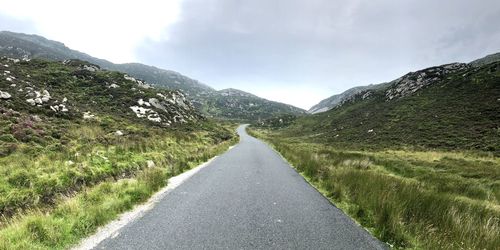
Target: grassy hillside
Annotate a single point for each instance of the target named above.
(416, 162)
(238, 105)
(204, 98)
(409, 199)
(455, 111)
(79, 145)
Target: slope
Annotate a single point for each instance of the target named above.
(452, 106)
(17, 45)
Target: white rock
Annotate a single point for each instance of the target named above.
(69, 163)
(45, 98)
(114, 86)
(140, 102)
(140, 111)
(38, 100)
(31, 101)
(4, 95)
(129, 78)
(154, 118)
(88, 115)
(13, 85)
(64, 100)
(118, 133)
(8, 79)
(370, 131)
(151, 164)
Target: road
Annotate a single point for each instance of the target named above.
(248, 198)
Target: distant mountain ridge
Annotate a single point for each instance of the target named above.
(17, 45)
(419, 78)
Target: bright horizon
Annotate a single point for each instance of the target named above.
(296, 52)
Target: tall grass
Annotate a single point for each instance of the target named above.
(422, 200)
(51, 198)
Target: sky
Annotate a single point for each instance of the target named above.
(293, 51)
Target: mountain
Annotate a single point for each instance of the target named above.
(452, 106)
(239, 105)
(78, 90)
(337, 100)
(486, 60)
(17, 45)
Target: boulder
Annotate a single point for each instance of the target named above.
(4, 95)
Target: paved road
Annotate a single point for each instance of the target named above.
(248, 198)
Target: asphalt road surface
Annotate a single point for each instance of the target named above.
(248, 198)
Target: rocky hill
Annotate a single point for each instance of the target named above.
(337, 100)
(452, 106)
(408, 83)
(78, 90)
(204, 98)
(239, 105)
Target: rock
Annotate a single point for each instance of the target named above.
(69, 163)
(414, 81)
(114, 86)
(38, 100)
(36, 118)
(31, 101)
(118, 133)
(4, 95)
(154, 118)
(64, 100)
(91, 68)
(140, 111)
(151, 164)
(87, 115)
(370, 131)
(8, 79)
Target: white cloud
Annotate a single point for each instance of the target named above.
(106, 29)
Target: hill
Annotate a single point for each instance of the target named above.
(453, 106)
(337, 100)
(239, 105)
(79, 145)
(203, 97)
(415, 162)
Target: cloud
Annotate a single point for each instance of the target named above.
(330, 45)
(107, 29)
(295, 51)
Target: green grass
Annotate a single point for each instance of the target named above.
(49, 204)
(458, 112)
(56, 190)
(409, 199)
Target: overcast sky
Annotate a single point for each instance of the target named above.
(293, 51)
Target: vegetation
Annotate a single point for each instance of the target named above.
(66, 171)
(420, 169)
(458, 111)
(213, 103)
(409, 199)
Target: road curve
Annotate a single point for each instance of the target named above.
(248, 198)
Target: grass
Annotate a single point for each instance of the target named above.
(457, 112)
(409, 199)
(52, 196)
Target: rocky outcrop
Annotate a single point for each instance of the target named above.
(414, 81)
(4, 95)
